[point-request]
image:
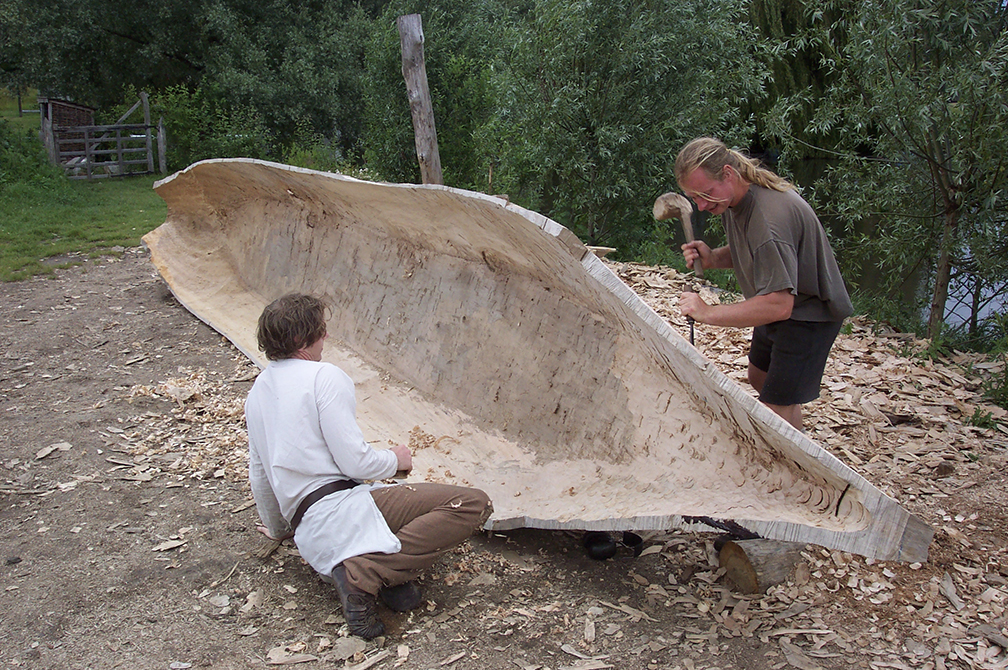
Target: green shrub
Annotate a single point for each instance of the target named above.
(996, 388)
(23, 160)
(981, 419)
(199, 125)
(938, 348)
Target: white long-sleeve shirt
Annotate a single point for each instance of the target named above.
(303, 433)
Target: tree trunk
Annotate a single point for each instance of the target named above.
(946, 185)
(415, 73)
(943, 272)
(975, 307)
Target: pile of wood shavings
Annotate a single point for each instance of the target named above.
(203, 436)
(883, 403)
(906, 423)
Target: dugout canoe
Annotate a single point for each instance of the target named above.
(490, 339)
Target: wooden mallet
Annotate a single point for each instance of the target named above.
(673, 205)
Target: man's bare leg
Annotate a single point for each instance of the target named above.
(756, 378)
(790, 413)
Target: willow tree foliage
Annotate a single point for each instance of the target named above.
(918, 105)
(575, 109)
(799, 75)
(462, 46)
(606, 93)
(297, 66)
(92, 51)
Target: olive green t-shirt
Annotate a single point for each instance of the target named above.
(777, 243)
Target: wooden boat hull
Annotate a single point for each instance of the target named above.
(509, 357)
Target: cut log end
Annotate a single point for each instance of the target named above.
(756, 565)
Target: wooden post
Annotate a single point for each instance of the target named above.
(49, 140)
(415, 73)
(119, 153)
(150, 148)
(88, 156)
(162, 166)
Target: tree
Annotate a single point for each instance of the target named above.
(604, 96)
(919, 103)
(92, 51)
(463, 43)
(300, 66)
(296, 65)
(798, 77)
(575, 109)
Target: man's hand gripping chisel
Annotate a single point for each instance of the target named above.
(673, 205)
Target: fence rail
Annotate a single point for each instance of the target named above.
(100, 152)
(96, 152)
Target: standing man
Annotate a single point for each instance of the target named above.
(795, 298)
(307, 464)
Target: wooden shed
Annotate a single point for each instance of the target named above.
(65, 112)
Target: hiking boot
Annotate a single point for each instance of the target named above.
(359, 607)
(402, 597)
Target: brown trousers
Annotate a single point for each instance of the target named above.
(428, 519)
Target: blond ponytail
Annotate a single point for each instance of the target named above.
(712, 155)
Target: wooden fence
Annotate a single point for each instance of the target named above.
(99, 152)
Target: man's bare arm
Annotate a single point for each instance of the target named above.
(756, 311)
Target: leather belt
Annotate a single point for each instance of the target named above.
(318, 494)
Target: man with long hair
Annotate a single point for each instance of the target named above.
(795, 298)
(308, 462)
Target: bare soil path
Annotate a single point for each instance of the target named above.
(127, 539)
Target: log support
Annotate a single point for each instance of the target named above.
(756, 565)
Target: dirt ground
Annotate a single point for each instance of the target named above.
(128, 540)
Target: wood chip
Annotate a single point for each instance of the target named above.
(626, 609)
(168, 545)
(45, 451)
(948, 590)
(992, 634)
(590, 664)
(288, 656)
(377, 658)
(797, 658)
(452, 659)
(244, 506)
(348, 647)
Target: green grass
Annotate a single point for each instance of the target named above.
(48, 221)
(44, 226)
(9, 110)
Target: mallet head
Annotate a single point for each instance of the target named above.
(675, 205)
(672, 205)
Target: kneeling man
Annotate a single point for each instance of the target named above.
(308, 459)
